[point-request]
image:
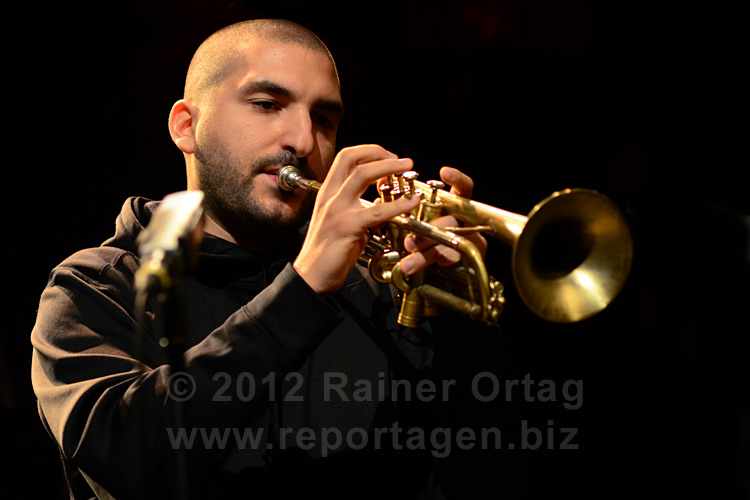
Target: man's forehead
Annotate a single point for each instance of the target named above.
(270, 55)
(285, 64)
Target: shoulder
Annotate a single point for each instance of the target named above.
(115, 262)
(100, 267)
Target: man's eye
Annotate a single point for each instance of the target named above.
(323, 121)
(265, 105)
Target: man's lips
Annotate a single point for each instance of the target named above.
(271, 174)
(274, 171)
(271, 170)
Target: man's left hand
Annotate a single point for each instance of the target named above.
(425, 251)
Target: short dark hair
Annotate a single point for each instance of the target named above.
(219, 55)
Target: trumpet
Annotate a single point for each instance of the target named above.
(571, 255)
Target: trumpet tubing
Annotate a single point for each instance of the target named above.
(571, 254)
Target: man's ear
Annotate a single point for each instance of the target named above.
(182, 119)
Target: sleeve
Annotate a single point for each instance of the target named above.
(107, 402)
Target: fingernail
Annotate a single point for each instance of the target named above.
(407, 266)
(452, 257)
(410, 244)
(410, 202)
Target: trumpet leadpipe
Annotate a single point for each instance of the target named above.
(496, 222)
(501, 224)
(289, 179)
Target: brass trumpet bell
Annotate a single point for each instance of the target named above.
(573, 256)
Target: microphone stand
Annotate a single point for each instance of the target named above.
(174, 340)
(168, 248)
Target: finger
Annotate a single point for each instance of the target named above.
(414, 243)
(461, 184)
(479, 241)
(349, 157)
(382, 212)
(363, 175)
(438, 254)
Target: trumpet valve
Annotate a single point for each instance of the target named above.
(386, 193)
(410, 177)
(436, 187)
(432, 208)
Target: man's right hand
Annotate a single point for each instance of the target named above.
(338, 228)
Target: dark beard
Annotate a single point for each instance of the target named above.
(228, 200)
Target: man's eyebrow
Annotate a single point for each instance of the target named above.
(271, 87)
(330, 106)
(267, 86)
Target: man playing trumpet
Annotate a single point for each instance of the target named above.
(274, 305)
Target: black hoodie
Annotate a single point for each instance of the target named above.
(278, 391)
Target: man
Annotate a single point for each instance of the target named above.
(283, 332)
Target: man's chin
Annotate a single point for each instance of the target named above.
(278, 221)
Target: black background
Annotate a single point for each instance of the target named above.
(639, 100)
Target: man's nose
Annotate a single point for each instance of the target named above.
(298, 135)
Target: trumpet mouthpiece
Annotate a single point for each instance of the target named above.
(288, 178)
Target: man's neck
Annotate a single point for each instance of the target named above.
(213, 228)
